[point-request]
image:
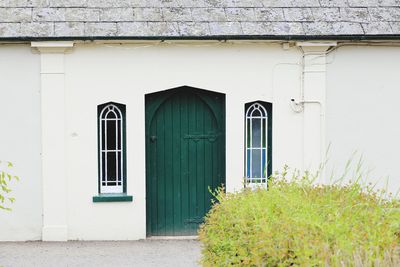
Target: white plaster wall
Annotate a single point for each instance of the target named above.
(20, 140)
(363, 113)
(98, 73)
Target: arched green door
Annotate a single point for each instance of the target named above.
(185, 155)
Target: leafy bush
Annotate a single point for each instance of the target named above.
(300, 223)
(5, 179)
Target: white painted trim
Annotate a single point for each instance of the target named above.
(316, 44)
(54, 149)
(52, 47)
(60, 44)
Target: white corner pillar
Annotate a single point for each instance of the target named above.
(53, 139)
(313, 102)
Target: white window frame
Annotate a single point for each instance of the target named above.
(250, 179)
(118, 188)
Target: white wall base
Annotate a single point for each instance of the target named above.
(55, 233)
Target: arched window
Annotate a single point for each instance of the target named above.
(258, 153)
(112, 170)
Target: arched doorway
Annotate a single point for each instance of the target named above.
(185, 156)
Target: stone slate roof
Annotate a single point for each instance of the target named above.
(82, 19)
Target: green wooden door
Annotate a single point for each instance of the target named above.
(185, 155)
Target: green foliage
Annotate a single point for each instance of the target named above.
(5, 179)
(300, 223)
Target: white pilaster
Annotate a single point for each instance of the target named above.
(53, 139)
(313, 101)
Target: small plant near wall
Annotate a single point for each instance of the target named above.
(6, 178)
(297, 222)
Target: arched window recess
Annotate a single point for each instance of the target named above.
(112, 150)
(258, 142)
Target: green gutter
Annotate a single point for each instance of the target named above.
(388, 37)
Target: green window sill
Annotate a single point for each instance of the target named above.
(112, 198)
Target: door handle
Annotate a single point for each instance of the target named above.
(153, 138)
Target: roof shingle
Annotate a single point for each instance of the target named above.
(197, 18)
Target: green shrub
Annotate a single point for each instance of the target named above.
(299, 223)
(5, 178)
